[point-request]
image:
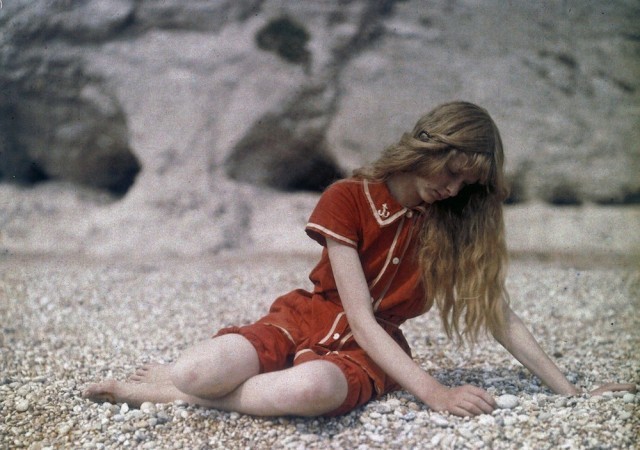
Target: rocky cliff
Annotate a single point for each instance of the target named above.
(176, 126)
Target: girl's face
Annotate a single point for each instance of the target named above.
(440, 186)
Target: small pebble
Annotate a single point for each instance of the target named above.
(148, 408)
(64, 429)
(510, 421)
(507, 401)
(624, 415)
(439, 420)
(22, 405)
(628, 397)
(486, 420)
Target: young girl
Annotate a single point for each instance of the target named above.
(421, 225)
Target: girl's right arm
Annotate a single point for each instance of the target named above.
(354, 293)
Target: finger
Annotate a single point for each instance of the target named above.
(621, 387)
(481, 406)
(460, 411)
(613, 387)
(471, 407)
(486, 398)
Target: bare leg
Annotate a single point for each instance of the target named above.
(310, 389)
(209, 369)
(215, 367)
(222, 373)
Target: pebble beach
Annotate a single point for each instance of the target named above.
(69, 321)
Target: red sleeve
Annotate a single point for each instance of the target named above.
(336, 215)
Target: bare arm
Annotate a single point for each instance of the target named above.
(519, 341)
(356, 300)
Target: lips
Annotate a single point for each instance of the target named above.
(440, 195)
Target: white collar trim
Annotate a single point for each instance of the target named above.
(382, 215)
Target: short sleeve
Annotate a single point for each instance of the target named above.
(336, 215)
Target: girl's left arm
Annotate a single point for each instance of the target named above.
(519, 341)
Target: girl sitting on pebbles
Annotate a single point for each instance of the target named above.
(421, 225)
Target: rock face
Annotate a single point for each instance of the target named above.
(186, 106)
(58, 121)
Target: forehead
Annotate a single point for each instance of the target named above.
(477, 166)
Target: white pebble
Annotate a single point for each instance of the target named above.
(148, 408)
(375, 437)
(63, 429)
(124, 408)
(510, 421)
(439, 420)
(486, 420)
(22, 405)
(507, 401)
(628, 397)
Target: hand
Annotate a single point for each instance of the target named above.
(613, 387)
(464, 401)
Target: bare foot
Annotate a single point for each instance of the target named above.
(134, 394)
(106, 391)
(152, 373)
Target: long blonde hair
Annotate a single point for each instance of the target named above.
(462, 251)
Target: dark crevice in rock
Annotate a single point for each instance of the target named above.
(517, 189)
(275, 155)
(563, 195)
(286, 38)
(626, 199)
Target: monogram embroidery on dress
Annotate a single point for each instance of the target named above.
(384, 212)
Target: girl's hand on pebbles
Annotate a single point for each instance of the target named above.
(614, 387)
(465, 401)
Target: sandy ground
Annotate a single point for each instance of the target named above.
(69, 321)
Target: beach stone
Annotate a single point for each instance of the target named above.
(486, 420)
(628, 397)
(22, 405)
(163, 417)
(435, 440)
(507, 401)
(148, 408)
(439, 420)
(510, 421)
(64, 429)
(624, 415)
(409, 416)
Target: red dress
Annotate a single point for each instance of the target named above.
(303, 326)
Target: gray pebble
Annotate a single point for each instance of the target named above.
(22, 405)
(624, 415)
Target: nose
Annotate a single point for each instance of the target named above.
(454, 187)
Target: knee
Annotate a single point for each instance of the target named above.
(185, 375)
(192, 377)
(326, 392)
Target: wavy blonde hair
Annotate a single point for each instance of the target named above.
(462, 251)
